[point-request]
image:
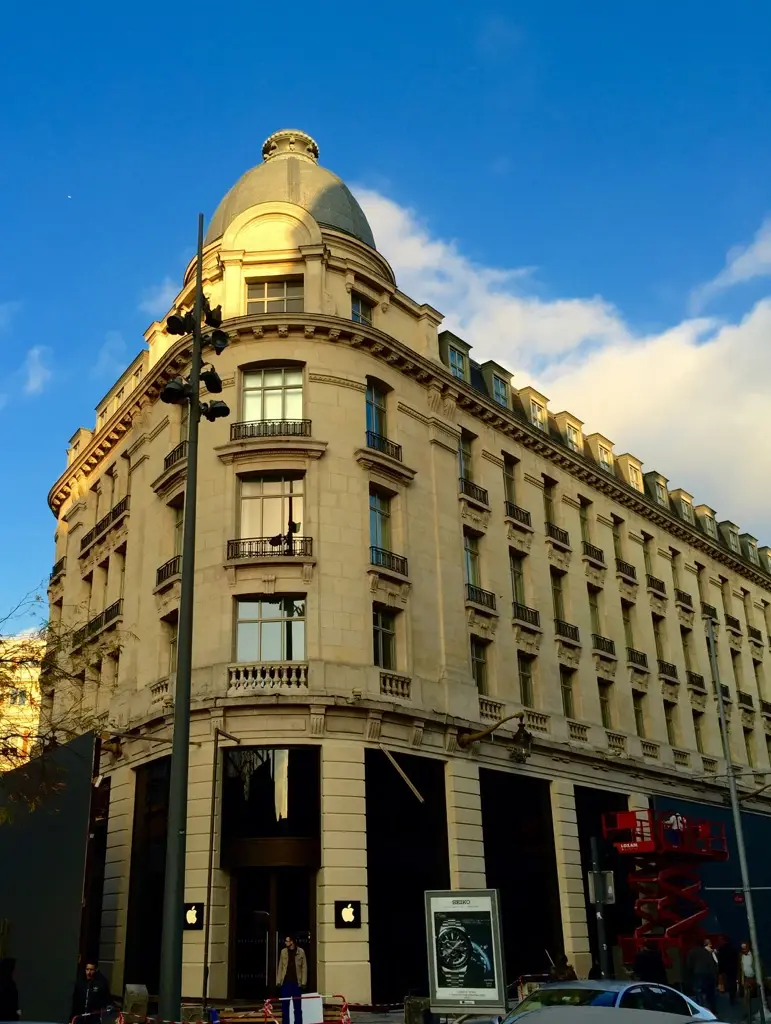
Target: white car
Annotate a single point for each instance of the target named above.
(620, 995)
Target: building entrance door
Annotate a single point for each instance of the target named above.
(267, 904)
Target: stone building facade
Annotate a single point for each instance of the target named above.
(462, 553)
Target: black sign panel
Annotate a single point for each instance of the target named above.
(347, 913)
(193, 917)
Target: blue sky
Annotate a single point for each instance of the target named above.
(617, 151)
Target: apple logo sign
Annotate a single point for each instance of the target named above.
(347, 913)
(193, 917)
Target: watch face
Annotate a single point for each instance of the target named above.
(454, 949)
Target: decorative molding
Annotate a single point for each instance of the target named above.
(495, 459)
(317, 717)
(685, 616)
(734, 642)
(374, 725)
(534, 481)
(267, 584)
(670, 691)
(558, 556)
(478, 518)
(521, 541)
(283, 330)
(603, 667)
(639, 680)
(338, 382)
(627, 590)
(526, 640)
(445, 436)
(658, 604)
(451, 739)
(413, 413)
(571, 502)
(416, 739)
(310, 330)
(375, 461)
(604, 520)
(568, 654)
(597, 576)
(483, 625)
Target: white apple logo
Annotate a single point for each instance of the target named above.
(348, 914)
(192, 915)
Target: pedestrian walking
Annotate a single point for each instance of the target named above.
(91, 995)
(561, 970)
(748, 974)
(9, 994)
(701, 970)
(291, 978)
(649, 965)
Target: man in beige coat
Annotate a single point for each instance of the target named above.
(291, 978)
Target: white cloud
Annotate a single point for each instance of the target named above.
(36, 373)
(111, 358)
(156, 301)
(691, 402)
(743, 263)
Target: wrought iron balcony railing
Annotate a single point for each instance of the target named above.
(626, 569)
(684, 598)
(745, 700)
(382, 444)
(602, 644)
(269, 547)
(709, 610)
(592, 551)
(639, 658)
(175, 455)
(515, 512)
(695, 681)
(171, 568)
(115, 513)
(385, 559)
(666, 668)
(655, 584)
(567, 630)
(485, 598)
(473, 491)
(558, 534)
(58, 568)
(528, 615)
(733, 623)
(269, 428)
(754, 634)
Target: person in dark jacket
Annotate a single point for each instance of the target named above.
(9, 994)
(562, 970)
(701, 972)
(649, 965)
(91, 994)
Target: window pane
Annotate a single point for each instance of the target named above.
(272, 608)
(256, 291)
(274, 517)
(270, 635)
(273, 406)
(274, 306)
(295, 640)
(248, 610)
(252, 406)
(293, 376)
(251, 520)
(272, 378)
(294, 289)
(246, 642)
(293, 404)
(294, 305)
(275, 289)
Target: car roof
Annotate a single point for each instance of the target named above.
(607, 984)
(604, 1015)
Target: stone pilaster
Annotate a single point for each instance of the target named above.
(570, 876)
(116, 877)
(464, 825)
(343, 955)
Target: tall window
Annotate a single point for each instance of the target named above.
(733, 541)
(525, 671)
(265, 506)
(647, 553)
(517, 569)
(658, 638)
(548, 499)
(361, 309)
(479, 663)
(537, 415)
(274, 393)
(661, 493)
(270, 629)
(638, 703)
(698, 730)
(179, 525)
(594, 609)
(573, 438)
(626, 618)
(509, 479)
(376, 410)
(749, 747)
(671, 724)
(275, 295)
(566, 686)
(686, 510)
(471, 558)
(757, 668)
(379, 520)
(710, 527)
(606, 703)
(634, 478)
(685, 637)
(384, 638)
(617, 551)
(465, 470)
(556, 595)
(606, 459)
(457, 363)
(583, 515)
(736, 664)
(500, 393)
(173, 628)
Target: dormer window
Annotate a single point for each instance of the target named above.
(457, 363)
(537, 415)
(733, 541)
(709, 526)
(606, 459)
(634, 478)
(686, 511)
(661, 493)
(752, 552)
(500, 391)
(361, 309)
(573, 438)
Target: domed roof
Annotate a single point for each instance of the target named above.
(290, 173)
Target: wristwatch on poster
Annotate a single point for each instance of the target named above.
(453, 951)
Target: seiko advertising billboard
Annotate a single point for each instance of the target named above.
(465, 954)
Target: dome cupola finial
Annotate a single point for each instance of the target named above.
(289, 142)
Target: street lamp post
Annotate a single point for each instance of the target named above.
(179, 392)
(737, 817)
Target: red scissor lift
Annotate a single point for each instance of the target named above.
(668, 848)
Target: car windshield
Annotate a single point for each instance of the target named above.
(553, 995)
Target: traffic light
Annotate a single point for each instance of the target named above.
(738, 896)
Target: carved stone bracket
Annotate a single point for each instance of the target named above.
(685, 616)
(478, 518)
(526, 640)
(748, 718)
(451, 739)
(597, 576)
(483, 625)
(604, 668)
(658, 604)
(669, 691)
(558, 556)
(567, 654)
(416, 738)
(734, 642)
(698, 699)
(627, 590)
(374, 724)
(317, 715)
(639, 680)
(518, 539)
(389, 592)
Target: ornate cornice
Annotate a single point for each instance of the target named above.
(446, 394)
